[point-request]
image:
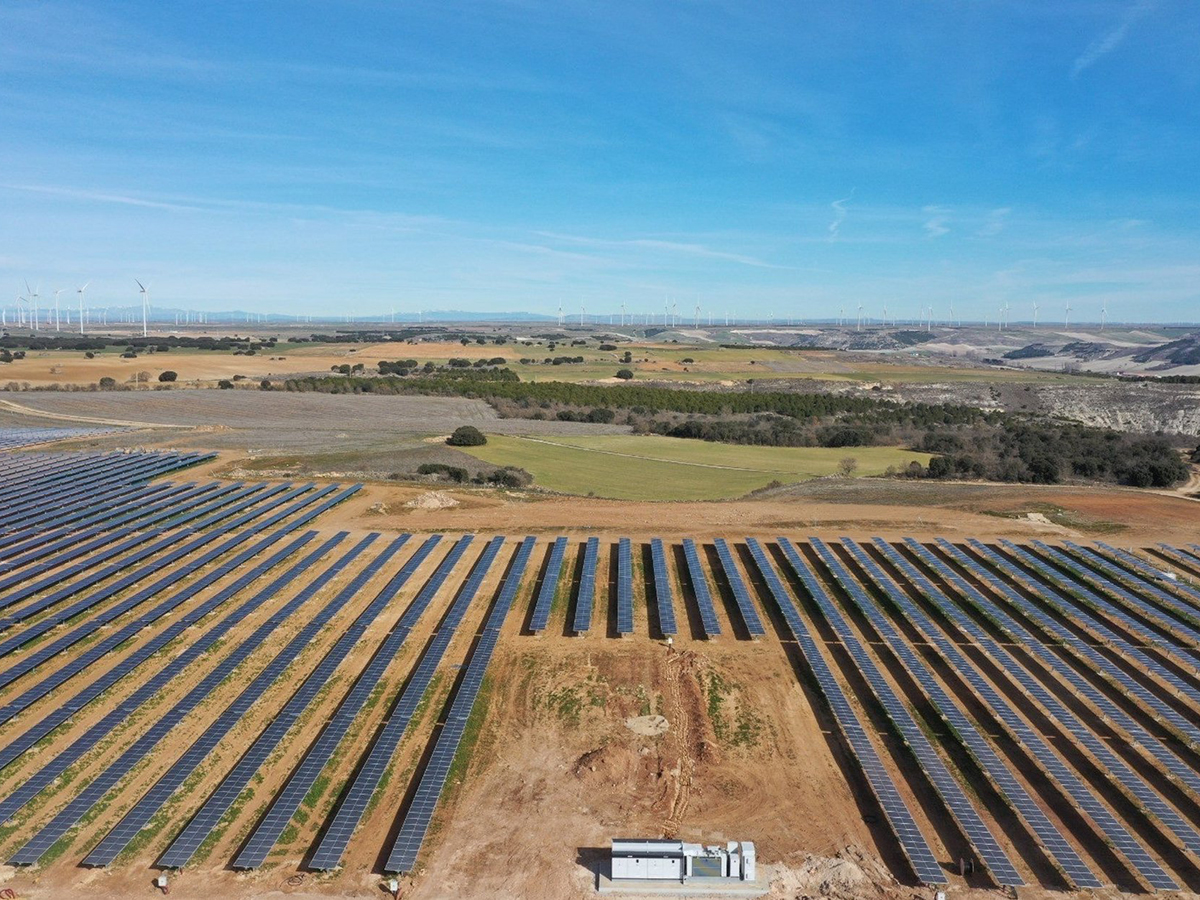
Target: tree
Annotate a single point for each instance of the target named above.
(225, 384)
(265, 385)
(624, 374)
(846, 466)
(168, 375)
(942, 467)
(466, 436)
(107, 383)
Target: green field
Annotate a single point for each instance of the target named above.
(636, 467)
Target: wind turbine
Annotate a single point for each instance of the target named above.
(860, 308)
(560, 314)
(622, 313)
(841, 316)
(1035, 312)
(81, 305)
(1067, 316)
(885, 315)
(697, 325)
(145, 306)
(582, 313)
(1103, 314)
(33, 297)
(952, 313)
(674, 312)
(57, 319)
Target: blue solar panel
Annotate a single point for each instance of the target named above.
(545, 596)
(403, 855)
(624, 587)
(741, 596)
(699, 582)
(1048, 835)
(1070, 723)
(328, 854)
(662, 588)
(587, 587)
(912, 842)
(218, 804)
(284, 807)
(99, 787)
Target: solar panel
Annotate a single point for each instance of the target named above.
(662, 588)
(285, 804)
(741, 596)
(414, 827)
(134, 701)
(357, 797)
(1162, 711)
(587, 587)
(1150, 572)
(1047, 834)
(699, 582)
(98, 788)
(222, 799)
(1173, 764)
(895, 810)
(545, 596)
(1070, 724)
(624, 587)
(1119, 579)
(139, 816)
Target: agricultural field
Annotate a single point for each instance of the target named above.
(640, 467)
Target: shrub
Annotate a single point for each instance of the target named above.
(846, 466)
(265, 385)
(942, 467)
(107, 383)
(168, 375)
(601, 415)
(466, 436)
(510, 477)
(625, 374)
(451, 473)
(225, 384)
(88, 355)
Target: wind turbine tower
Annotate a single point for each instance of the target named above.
(859, 326)
(33, 298)
(1035, 312)
(145, 307)
(1067, 316)
(57, 318)
(1103, 314)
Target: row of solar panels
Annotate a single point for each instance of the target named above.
(16, 438)
(1074, 580)
(726, 571)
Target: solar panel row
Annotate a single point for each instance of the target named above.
(662, 588)
(1155, 575)
(587, 587)
(741, 596)
(930, 762)
(699, 582)
(110, 777)
(134, 701)
(624, 587)
(913, 844)
(1112, 829)
(1134, 784)
(285, 804)
(1129, 585)
(545, 595)
(139, 816)
(329, 850)
(203, 822)
(403, 855)
(1163, 711)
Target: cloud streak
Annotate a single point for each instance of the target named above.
(1111, 40)
(935, 226)
(839, 214)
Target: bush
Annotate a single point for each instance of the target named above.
(466, 436)
(107, 383)
(265, 385)
(167, 376)
(451, 473)
(601, 415)
(846, 466)
(625, 374)
(941, 467)
(510, 477)
(225, 384)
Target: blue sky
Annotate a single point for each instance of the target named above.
(757, 158)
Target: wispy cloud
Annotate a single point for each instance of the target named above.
(678, 247)
(839, 214)
(994, 223)
(935, 225)
(1112, 39)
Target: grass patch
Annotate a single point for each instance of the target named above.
(645, 467)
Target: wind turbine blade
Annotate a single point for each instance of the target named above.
(140, 285)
